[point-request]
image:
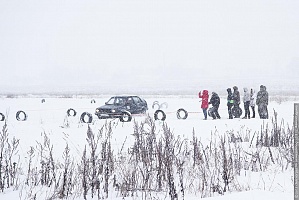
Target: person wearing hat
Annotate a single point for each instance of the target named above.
(236, 110)
(205, 102)
(230, 103)
(215, 101)
(246, 100)
(262, 99)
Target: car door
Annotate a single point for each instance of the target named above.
(138, 104)
(130, 105)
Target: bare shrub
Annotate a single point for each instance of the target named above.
(47, 165)
(98, 167)
(67, 175)
(159, 161)
(8, 160)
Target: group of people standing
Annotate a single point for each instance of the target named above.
(250, 99)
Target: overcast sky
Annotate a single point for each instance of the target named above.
(54, 44)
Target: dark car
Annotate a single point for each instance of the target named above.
(122, 107)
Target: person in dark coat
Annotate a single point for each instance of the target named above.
(267, 99)
(204, 102)
(215, 101)
(262, 102)
(236, 96)
(230, 102)
(236, 110)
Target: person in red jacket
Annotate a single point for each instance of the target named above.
(204, 102)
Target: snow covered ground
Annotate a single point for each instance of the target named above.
(50, 118)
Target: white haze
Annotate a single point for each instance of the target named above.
(148, 46)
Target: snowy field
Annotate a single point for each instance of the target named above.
(50, 118)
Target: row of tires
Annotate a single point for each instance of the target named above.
(20, 116)
(160, 114)
(87, 117)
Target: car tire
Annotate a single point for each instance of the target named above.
(82, 118)
(156, 115)
(69, 112)
(18, 116)
(178, 114)
(2, 117)
(125, 117)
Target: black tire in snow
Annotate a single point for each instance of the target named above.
(18, 116)
(74, 113)
(2, 117)
(156, 115)
(82, 118)
(178, 113)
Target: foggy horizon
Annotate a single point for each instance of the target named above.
(148, 46)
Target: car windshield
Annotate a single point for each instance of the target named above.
(116, 101)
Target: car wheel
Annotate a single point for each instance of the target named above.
(125, 117)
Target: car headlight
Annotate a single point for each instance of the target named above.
(97, 110)
(113, 111)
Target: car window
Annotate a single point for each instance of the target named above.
(129, 100)
(111, 101)
(136, 100)
(119, 101)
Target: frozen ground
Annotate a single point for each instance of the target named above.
(50, 118)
